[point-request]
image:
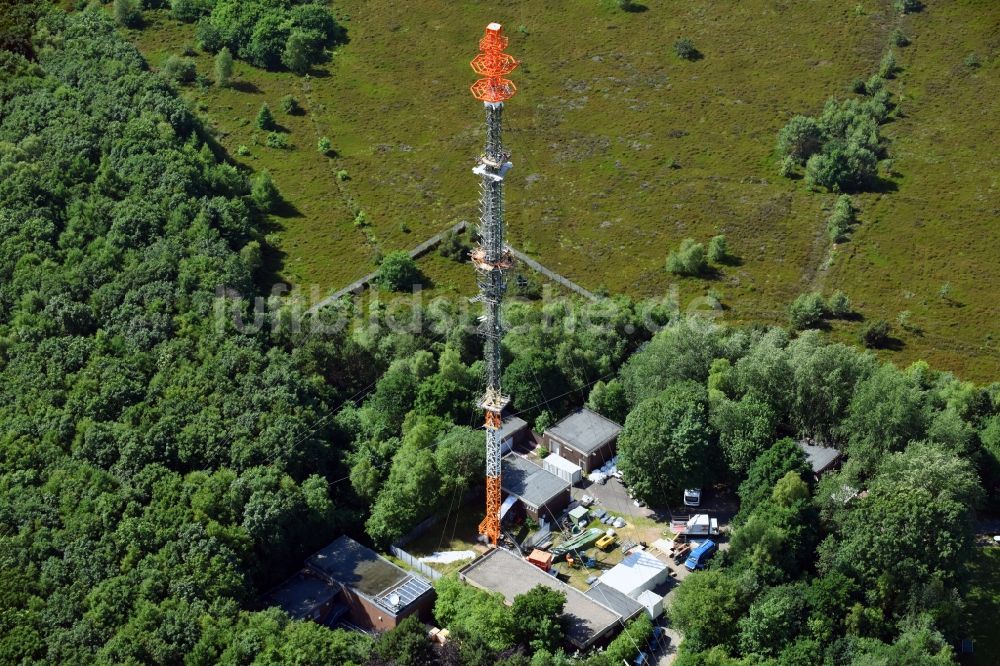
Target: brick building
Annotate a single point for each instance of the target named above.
(346, 581)
(584, 438)
(541, 494)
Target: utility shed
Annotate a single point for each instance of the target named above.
(584, 438)
(652, 602)
(821, 458)
(579, 514)
(514, 431)
(569, 472)
(542, 493)
(378, 593)
(635, 574)
(499, 570)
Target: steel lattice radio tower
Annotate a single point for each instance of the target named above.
(492, 257)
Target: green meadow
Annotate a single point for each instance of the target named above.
(622, 149)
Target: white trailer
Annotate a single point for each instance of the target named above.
(700, 524)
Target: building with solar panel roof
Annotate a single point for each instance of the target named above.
(359, 587)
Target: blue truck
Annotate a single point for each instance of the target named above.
(703, 553)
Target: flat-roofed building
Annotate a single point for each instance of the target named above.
(543, 494)
(378, 594)
(584, 438)
(514, 431)
(587, 621)
(617, 601)
(306, 596)
(821, 459)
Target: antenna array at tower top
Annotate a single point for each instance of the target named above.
(493, 65)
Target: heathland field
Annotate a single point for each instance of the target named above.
(622, 149)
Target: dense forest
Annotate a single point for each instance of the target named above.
(157, 468)
(160, 467)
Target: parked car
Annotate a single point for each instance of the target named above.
(618, 522)
(692, 497)
(700, 555)
(659, 641)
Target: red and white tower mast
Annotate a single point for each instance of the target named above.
(492, 257)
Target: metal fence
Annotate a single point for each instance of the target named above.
(417, 531)
(414, 562)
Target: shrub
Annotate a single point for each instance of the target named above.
(685, 49)
(626, 646)
(806, 311)
(972, 61)
(188, 11)
(526, 286)
(688, 259)
(252, 255)
(800, 139)
(454, 247)
(908, 6)
(361, 220)
(243, 150)
(542, 452)
(128, 13)
(223, 68)
(276, 140)
(841, 166)
(264, 192)
(875, 334)
(903, 319)
(718, 250)
(841, 219)
(342, 175)
(323, 145)
(397, 272)
(265, 120)
(787, 167)
(179, 70)
(858, 86)
(898, 38)
(290, 105)
(300, 52)
(209, 36)
(887, 67)
(875, 84)
(544, 421)
(838, 305)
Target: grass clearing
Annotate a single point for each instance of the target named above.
(622, 149)
(458, 531)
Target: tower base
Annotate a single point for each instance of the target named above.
(490, 525)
